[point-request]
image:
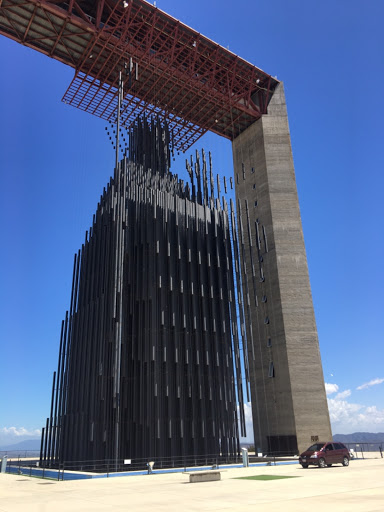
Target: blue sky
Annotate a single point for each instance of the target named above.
(55, 160)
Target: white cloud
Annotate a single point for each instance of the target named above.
(20, 432)
(342, 411)
(343, 394)
(347, 417)
(11, 435)
(331, 388)
(373, 382)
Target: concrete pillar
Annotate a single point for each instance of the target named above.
(288, 396)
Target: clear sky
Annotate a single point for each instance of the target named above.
(55, 160)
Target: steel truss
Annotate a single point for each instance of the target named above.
(174, 72)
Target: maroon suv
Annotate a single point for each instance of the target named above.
(325, 454)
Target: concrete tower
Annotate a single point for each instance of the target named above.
(289, 404)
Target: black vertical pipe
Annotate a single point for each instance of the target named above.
(149, 363)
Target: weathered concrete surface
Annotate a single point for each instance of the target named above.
(277, 294)
(357, 488)
(205, 476)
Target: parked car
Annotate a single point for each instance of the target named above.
(325, 454)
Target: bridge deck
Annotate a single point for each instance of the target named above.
(171, 70)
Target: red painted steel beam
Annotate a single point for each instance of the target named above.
(29, 24)
(152, 25)
(34, 18)
(182, 73)
(86, 55)
(146, 96)
(113, 69)
(220, 98)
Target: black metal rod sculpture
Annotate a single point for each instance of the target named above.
(150, 359)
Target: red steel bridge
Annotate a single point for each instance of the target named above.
(172, 71)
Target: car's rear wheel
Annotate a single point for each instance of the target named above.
(304, 465)
(345, 461)
(329, 465)
(321, 463)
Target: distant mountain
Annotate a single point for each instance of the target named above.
(360, 437)
(28, 444)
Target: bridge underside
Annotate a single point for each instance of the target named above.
(171, 71)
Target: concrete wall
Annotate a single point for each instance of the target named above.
(276, 288)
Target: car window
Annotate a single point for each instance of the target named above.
(315, 447)
(338, 446)
(329, 447)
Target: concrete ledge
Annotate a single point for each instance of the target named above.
(204, 476)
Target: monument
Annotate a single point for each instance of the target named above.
(150, 365)
(191, 85)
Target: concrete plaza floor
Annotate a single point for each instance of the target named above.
(359, 487)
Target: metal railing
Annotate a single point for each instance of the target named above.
(20, 454)
(27, 462)
(366, 450)
(62, 471)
